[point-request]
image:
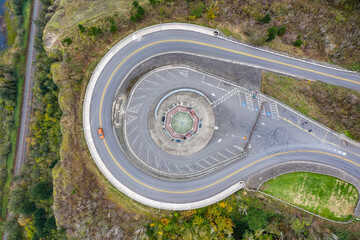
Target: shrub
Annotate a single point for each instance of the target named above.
(281, 30)
(257, 219)
(82, 29)
(298, 42)
(67, 41)
(94, 31)
(138, 12)
(153, 2)
(265, 19)
(272, 33)
(113, 28)
(41, 191)
(197, 10)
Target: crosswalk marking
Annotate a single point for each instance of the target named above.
(249, 102)
(224, 97)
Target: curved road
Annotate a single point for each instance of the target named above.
(213, 187)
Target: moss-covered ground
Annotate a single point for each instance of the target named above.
(323, 195)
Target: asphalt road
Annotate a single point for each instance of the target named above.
(287, 139)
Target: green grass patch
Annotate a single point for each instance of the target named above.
(323, 195)
(26, 23)
(10, 25)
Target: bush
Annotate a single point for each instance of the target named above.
(82, 29)
(272, 32)
(197, 10)
(257, 219)
(27, 208)
(138, 12)
(67, 41)
(298, 42)
(41, 191)
(281, 30)
(94, 31)
(153, 2)
(113, 28)
(265, 19)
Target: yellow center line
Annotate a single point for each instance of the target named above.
(228, 176)
(217, 47)
(239, 170)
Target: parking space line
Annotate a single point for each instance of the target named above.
(215, 159)
(132, 131)
(134, 140)
(171, 74)
(230, 152)
(189, 168)
(140, 148)
(147, 155)
(207, 162)
(160, 77)
(167, 166)
(151, 82)
(138, 97)
(178, 168)
(199, 164)
(156, 161)
(221, 155)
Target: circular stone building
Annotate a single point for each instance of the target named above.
(182, 122)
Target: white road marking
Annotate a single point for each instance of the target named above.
(135, 109)
(140, 148)
(199, 164)
(147, 155)
(138, 97)
(230, 152)
(171, 74)
(167, 166)
(207, 162)
(132, 131)
(130, 118)
(151, 82)
(221, 155)
(220, 140)
(215, 159)
(161, 77)
(156, 161)
(134, 140)
(184, 72)
(189, 168)
(178, 168)
(240, 148)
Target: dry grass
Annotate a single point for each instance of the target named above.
(336, 107)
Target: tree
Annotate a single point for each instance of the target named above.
(272, 33)
(82, 29)
(27, 207)
(41, 191)
(257, 219)
(13, 229)
(265, 19)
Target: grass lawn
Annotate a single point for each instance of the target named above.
(336, 107)
(324, 195)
